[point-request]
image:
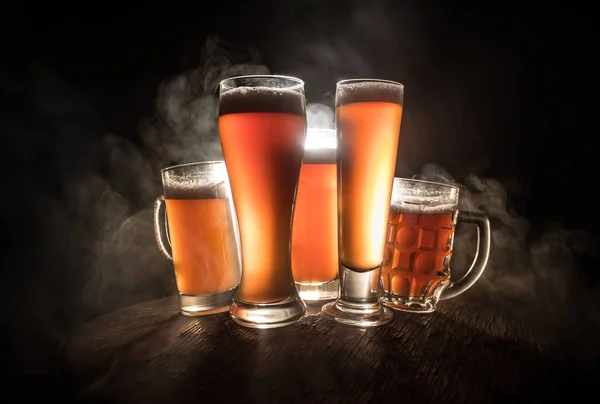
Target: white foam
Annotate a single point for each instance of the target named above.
(259, 94)
(413, 208)
(261, 99)
(258, 91)
(370, 90)
(196, 184)
(423, 197)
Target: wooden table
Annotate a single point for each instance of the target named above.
(150, 353)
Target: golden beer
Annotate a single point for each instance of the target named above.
(368, 117)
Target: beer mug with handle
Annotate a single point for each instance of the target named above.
(199, 234)
(419, 244)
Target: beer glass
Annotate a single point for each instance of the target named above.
(368, 116)
(419, 242)
(199, 234)
(314, 229)
(262, 126)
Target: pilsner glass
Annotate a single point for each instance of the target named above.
(314, 229)
(368, 116)
(419, 243)
(262, 127)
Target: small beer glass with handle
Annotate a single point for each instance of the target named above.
(199, 234)
(419, 243)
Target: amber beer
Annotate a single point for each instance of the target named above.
(418, 252)
(314, 229)
(423, 216)
(368, 119)
(262, 125)
(195, 227)
(204, 247)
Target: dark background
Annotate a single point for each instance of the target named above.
(497, 97)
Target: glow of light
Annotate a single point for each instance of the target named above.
(320, 139)
(310, 295)
(219, 173)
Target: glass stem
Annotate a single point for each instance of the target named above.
(359, 287)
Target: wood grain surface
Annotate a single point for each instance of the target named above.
(150, 353)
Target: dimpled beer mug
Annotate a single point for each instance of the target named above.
(199, 234)
(416, 268)
(262, 126)
(314, 229)
(368, 116)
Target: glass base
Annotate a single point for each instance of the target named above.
(202, 305)
(363, 315)
(412, 304)
(268, 315)
(358, 304)
(318, 291)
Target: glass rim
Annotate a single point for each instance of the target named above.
(194, 163)
(412, 180)
(299, 82)
(367, 80)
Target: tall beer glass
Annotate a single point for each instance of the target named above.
(368, 116)
(262, 126)
(314, 230)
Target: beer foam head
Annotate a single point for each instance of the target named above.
(350, 91)
(423, 197)
(196, 181)
(415, 208)
(261, 99)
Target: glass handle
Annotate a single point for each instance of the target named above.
(481, 256)
(160, 230)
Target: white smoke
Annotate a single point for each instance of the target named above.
(320, 116)
(532, 278)
(101, 224)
